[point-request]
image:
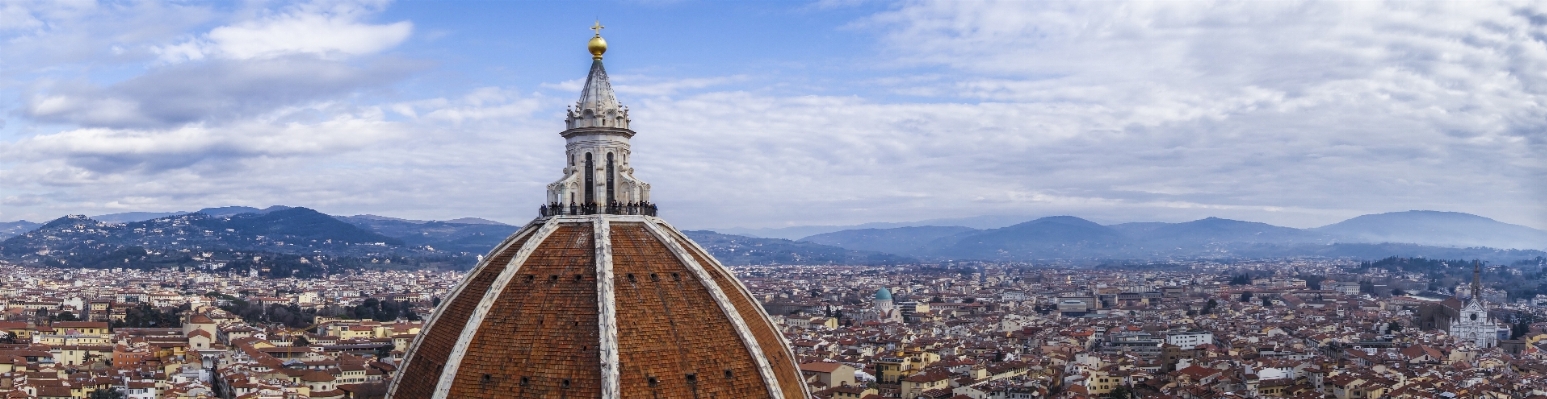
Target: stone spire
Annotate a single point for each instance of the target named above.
(598, 105)
(597, 174)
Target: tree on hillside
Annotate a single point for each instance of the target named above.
(379, 310)
(146, 316)
(110, 393)
(1246, 296)
(1520, 328)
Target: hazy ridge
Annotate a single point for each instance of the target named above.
(301, 231)
(1411, 233)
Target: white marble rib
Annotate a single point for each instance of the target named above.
(413, 348)
(449, 373)
(607, 311)
(764, 369)
(805, 391)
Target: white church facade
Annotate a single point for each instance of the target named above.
(1473, 325)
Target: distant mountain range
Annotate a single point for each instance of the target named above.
(1065, 237)
(291, 230)
(9, 229)
(743, 250)
(798, 232)
(1436, 228)
(458, 235)
(294, 231)
(239, 234)
(130, 217)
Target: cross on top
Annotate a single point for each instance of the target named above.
(598, 28)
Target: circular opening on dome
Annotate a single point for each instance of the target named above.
(692, 378)
(729, 374)
(675, 277)
(654, 381)
(526, 381)
(654, 277)
(579, 277)
(565, 383)
(631, 277)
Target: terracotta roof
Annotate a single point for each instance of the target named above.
(541, 332)
(317, 376)
(821, 367)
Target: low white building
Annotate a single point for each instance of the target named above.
(1190, 339)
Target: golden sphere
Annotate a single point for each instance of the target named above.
(597, 46)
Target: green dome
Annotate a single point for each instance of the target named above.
(883, 294)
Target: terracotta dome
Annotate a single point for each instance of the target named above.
(598, 298)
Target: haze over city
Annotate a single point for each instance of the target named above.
(776, 114)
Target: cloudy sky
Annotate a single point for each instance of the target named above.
(772, 114)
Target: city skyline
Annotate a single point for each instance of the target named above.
(783, 114)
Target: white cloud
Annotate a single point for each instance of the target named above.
(1290, 113)
(215, 90)
(331, 156)
(488, 103)
(646, 86)
(107, 152)
(16, 16)
(1335, 107)
(328, 30)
